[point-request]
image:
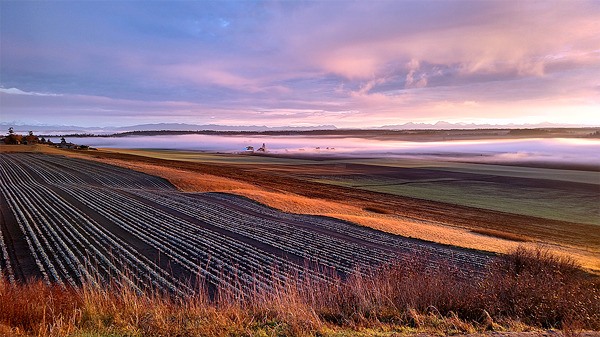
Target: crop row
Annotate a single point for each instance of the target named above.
(58, 170)
(398, 244)
(340, 245)
(217, 257)
(333, 251)
(220, 259)
(5, 264)
(67, 245)
(91, 222)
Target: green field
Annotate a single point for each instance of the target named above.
(540, 202)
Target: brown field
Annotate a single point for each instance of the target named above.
(428, 220)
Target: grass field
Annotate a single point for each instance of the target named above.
(539, 202)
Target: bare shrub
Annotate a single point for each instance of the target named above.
(542, 289)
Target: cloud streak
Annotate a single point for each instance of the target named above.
(15, 91)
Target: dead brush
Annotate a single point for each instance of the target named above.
(520, 290)
(542, 289)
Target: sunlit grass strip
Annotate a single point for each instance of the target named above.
(523, 290)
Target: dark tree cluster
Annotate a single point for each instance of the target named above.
(13, 138)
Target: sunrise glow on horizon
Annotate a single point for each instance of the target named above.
(350, 64)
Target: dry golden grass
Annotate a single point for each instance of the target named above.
(188, 181)
(502, 235)
(184, 180)
(521, 291)
(37, 148)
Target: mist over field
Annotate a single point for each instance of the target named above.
(573, 151)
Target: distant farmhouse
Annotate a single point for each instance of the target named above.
(250, 149)
(71, 146)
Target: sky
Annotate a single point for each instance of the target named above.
(299, 63)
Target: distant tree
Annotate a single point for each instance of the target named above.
(12, 138)
(31, 138)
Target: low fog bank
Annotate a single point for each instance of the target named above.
(542, 150)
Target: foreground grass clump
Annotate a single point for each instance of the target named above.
(523, 290)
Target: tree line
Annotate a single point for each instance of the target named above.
(13, 138)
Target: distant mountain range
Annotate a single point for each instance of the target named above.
(70, 129)
(445, 125)
(66, 129)
(216, 127)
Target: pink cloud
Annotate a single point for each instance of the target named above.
(511, 36)
(351, 64)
